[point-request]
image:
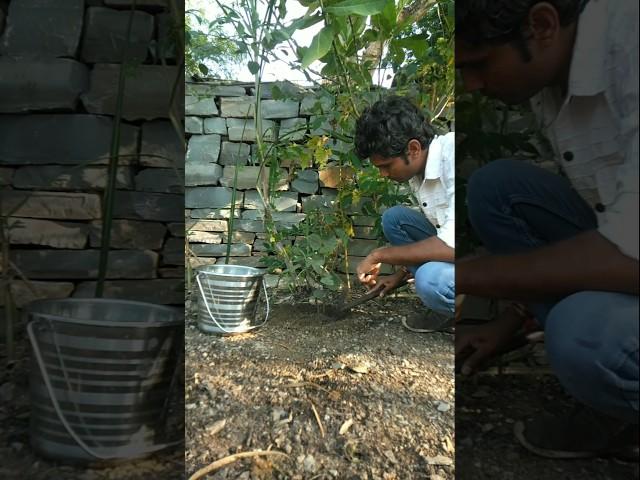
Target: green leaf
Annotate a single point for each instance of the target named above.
(203, 68)
(253, 67)
(320, 46)
(357, 7)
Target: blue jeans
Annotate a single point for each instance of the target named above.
(591, 337)
(434, 281)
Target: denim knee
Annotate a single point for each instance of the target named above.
(483, 188)
(390, 218)
(594, 354)
(435, 286)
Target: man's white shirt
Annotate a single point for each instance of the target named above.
(594, 129)
(435, 192)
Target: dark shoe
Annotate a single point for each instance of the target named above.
(428, 322)
(583, 434)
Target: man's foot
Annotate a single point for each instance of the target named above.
(428, 322)
(583, 434)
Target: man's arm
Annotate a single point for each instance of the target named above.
(585, 262)
(427, 250)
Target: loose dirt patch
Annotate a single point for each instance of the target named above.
(358, 398)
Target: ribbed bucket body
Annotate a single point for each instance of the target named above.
(231, 294)
(109, 365)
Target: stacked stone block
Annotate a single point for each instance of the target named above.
(221, 134)
(60, 65)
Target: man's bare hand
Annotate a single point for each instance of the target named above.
(368, 270)
(478, 343)
(389, 283)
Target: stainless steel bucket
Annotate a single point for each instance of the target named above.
(102, 372)
(228, 298)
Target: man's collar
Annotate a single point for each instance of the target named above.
(433, 168)
(587, 72)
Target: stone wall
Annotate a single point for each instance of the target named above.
(59, 69)
(219, 122)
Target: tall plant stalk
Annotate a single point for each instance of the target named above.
(110, 190)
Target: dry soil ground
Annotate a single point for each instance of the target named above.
(357, 398)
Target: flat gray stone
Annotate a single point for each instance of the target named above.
(210, 197)
(43, 28)
(44, 84)
(202, 106)
(287, 218)
(207, 226)
(361, 248)
(255, 226)
(29, 231)
(171, 272)
(6, 175)
(253, 215)
(161, 291)
(173, 252)
(252, 261)
(283, 202)
(53, 139)
(319, 125)
(287, 88)
(139, 3)
(195, 125)
(176, 229)
(212, 90)
(83, 264)
(318, 202)
(247, 178)
(293, 129)
(105, 36)
(363, 220)
(243, 130)
(241, 237)
(214, 213)
(237, 107)
(166, 45)
(233, 152)
(161, 145)
(280, 108)
(146, 95)
(54, 205)
(24, 293)
(316, 105)
(204, 237)
(130, 234)
(203, 149)
(208, 250)
(57, 177)
(366, 233)
(163, 180)
(215, 125)
(202, 174)
(306, 181)
(162, 207)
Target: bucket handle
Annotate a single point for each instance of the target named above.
(56, 404)
(206, 304)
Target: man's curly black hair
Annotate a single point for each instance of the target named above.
(386, 127)
(495, 22)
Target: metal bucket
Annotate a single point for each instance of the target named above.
(102, 373)
(228, 299)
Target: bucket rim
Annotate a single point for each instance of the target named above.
(104, 323)
(251, 271)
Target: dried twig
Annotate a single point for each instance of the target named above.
(223, 462)
(315, 413)
(306, 384)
